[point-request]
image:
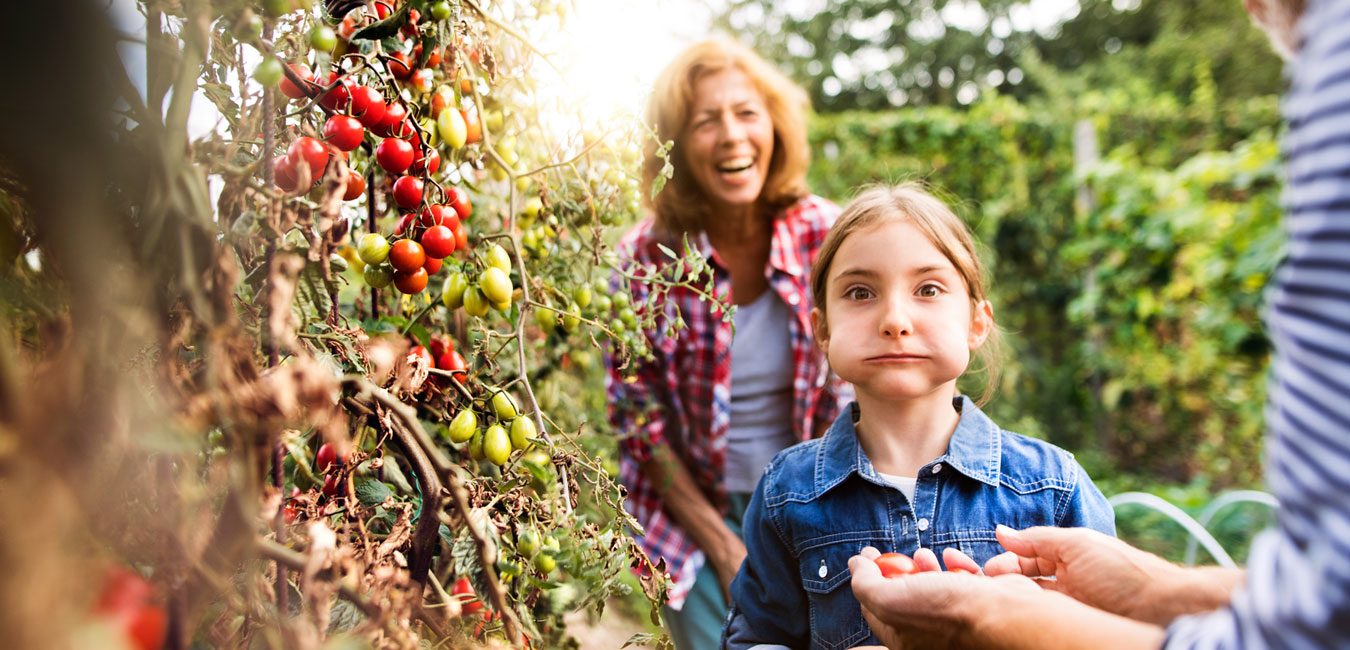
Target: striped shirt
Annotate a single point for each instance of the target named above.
(682, 398)
(1297, 593)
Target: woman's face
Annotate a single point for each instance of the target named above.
(728, 141)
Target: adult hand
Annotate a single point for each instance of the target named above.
(1094, 568)
(929, 609)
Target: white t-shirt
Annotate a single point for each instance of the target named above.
(903, 483)
(761, 390)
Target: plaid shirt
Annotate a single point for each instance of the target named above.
(682, 398)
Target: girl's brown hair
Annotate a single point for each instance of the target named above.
(681, 206)
(911, 202)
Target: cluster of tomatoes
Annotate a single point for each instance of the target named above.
(432, 222)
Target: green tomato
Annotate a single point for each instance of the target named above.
(533, 206)
(571, 319)
(628, 317)
(373, 248)
(550, 545)
(452, 292)
(493, 121)
(463, 426)
(496, 285)
(522, 429)
(527, 544)
(504, 405)
(476, 446)
(508, 568)
(546, 318)
(582, 295)
(474, 302)
(620, 299)
(440, 10)
(498, 257)
(601, 286)
(496, 445)
(378, 276)
(544, 563)
(603, 304)
(322, 38)
(268, 73)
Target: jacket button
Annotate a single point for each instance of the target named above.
(937, 468)
(923, 524)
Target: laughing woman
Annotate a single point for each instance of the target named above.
(699, 422)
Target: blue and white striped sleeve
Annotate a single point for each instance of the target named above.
(1297, 593)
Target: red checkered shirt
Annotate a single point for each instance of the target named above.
(682, 398)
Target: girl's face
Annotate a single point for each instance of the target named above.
(728, 141)
(899, 321)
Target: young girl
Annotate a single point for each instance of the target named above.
(899, 308)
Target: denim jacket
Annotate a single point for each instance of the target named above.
(821, 501)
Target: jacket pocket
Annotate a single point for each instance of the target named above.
(836, 616)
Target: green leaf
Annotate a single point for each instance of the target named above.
(385, 28)
(372, 492)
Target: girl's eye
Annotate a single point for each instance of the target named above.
(930, 291)
(858, 293)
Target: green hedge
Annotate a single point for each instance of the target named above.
(1133, 328)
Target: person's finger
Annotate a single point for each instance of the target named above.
(926, 560)
(869, 552)
(1039, 549)
(863, 568)
(1004, 563)
(958, 561)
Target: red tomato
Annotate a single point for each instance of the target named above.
(429, 163)
(438, 242)
(433, 265)
(434, 59)
(411, 281)
(289, 513)
(309, 152)
(367, 106)
(407, 255)
(400, 66)
(341, 94)
(404, 222)
(343, 132)
(325, 457)
(394, 115)
(291, 90)
(147, 628)
(330, 485)
(895, 564)
(348, 27)
(459, 200)
(473, 129)
(421, 80)
(461, 237)
(464, 590)
(451, 362)
(356, 185)
(419, 351)
(127, 600)
(438, 215)
(394, 155)
(440, 344)
(957, 569)
(408, 192)
(438, 103)
(283, 173)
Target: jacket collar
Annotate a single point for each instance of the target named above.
(784, 253)
(975, 449)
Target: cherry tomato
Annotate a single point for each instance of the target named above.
(421, 80)
(283, 173)
(458, 199)
(356, 185)
(330, 485)
(439, 100)
(322, 38)
(407, 191)
(394, 115)
(420, 351)
(372, 248)
(440, 10)
(400, 66)
(433, 265)
(404, 222)
(473, 128)
(455, 365)
(290, 89)
(407, 255)
(439, 345)
(325, 457)
(461, 237)
(343, 132)
(433, 59)
(464, 591)
(438, 242)
(341, 94)
(895, 564)
(367, 106)
(383, 9)
(429, 163)
(268, 73)
(310, 152)
(439, 215)
(127, 600)
(394, 155)
(411, 282)
(378, 275)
